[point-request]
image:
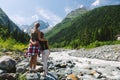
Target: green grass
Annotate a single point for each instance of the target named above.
(98, 43)
(91, 45)
(21, 76)
(12, 45)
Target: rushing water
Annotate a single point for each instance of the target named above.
(107, 68)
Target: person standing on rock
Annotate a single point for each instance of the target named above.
(34, 47)
(45, 53)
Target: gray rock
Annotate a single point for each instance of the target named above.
(21, 67)
(7, 76)
(8, 64)
(51, 76)
(3, 71)
(33, 76)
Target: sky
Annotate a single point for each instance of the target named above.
(25, 12)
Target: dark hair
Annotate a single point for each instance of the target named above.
(42, 34)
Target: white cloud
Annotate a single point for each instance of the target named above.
(96, 3)
(68, 9)
(21, 20)
(35, 17)
(45, 14)
(53, 18)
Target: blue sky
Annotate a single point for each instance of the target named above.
(51, 11)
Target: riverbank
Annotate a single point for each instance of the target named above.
(101, 63)
(89, 68)
(107, 52)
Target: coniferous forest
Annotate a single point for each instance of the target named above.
(5, 33)
(98, 25)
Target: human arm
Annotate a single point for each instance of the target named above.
(32, 42)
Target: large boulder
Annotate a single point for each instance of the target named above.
(8, 64)
(7, 76)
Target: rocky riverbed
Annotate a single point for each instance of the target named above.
(107, 52)
(101, 63)
(88, 68)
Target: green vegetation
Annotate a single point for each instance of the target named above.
(12, 45)
(91, 29)
(21, 76)
(12, 40)
(98, 43)
(5, 33)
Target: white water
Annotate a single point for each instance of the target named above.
(87, 62)
(64, 55)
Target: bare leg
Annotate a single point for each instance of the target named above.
(35, 61)
(31, 62)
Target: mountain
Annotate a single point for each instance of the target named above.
(5, 21)
(27, 28)
(76, 12)
(99, 24)
(9, 29)
(66, 22)
(24, 27)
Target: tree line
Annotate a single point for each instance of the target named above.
(100, 24)
(6, 33)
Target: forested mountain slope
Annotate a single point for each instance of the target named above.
(101, 24)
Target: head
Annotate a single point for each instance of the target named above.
(36, 25)
(42, 35)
